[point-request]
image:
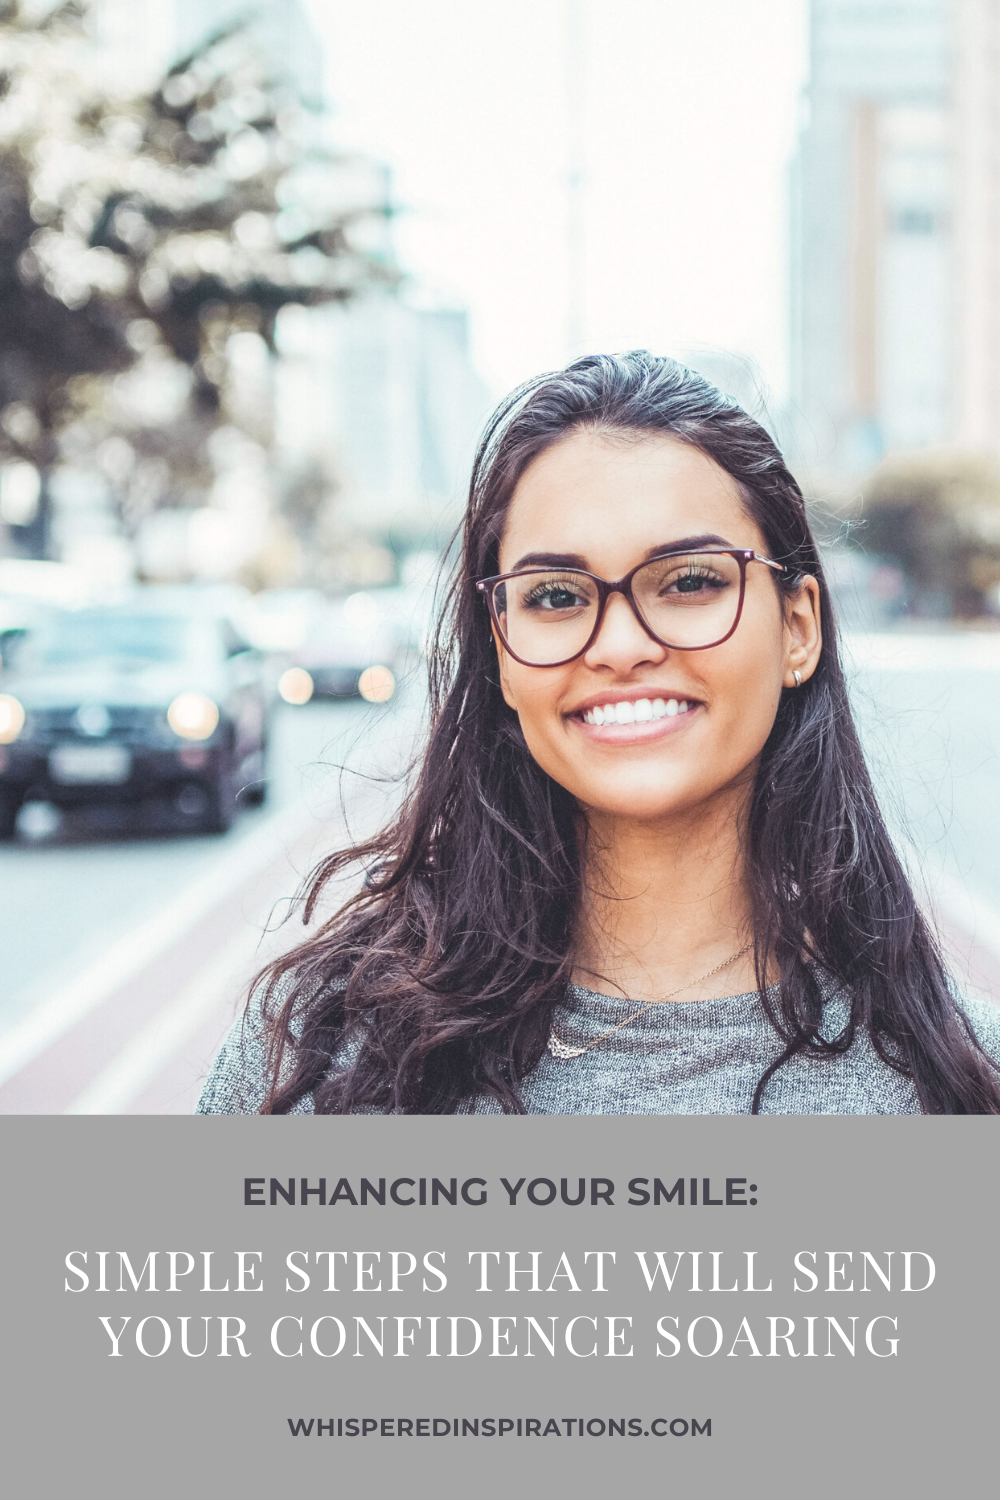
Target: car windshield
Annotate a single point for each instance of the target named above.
(69, 639)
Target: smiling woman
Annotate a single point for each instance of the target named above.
(641, 868)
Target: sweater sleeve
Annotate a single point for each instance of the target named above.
(984, 1018)
(237, 1081)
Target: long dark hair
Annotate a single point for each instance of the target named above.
(437, 981)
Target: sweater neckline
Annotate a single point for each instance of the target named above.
(592, 999)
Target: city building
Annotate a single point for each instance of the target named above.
(383, 395)
(895, 245)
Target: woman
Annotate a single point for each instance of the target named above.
(641, 868)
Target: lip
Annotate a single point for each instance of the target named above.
(637, 732)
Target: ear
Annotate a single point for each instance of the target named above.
(503, 664)
(803, 632)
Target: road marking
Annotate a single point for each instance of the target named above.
(67, 1005)
(148, 1050)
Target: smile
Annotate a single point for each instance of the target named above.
(642, 711)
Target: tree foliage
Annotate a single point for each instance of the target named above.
(141, 231)
(936, 512)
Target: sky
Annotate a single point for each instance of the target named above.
(681, 118)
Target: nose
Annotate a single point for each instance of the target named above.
(622, 643)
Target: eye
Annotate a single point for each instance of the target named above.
(695, 578)
(554, 594)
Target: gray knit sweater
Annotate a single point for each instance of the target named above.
(689, 1058)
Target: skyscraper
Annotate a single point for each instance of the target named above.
(896, 231)
(872, 232)
(977, 221)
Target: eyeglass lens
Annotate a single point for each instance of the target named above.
(690, 600)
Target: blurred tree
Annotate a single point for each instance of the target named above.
(936, 513)
(147, 243)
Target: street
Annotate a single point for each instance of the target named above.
(125, 959)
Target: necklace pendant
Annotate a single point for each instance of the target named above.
(562, 1049)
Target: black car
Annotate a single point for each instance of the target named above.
(131, 703)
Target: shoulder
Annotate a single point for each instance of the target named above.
(238, 1081)
(984, 1018)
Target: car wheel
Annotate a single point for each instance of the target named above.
(221, 809)
(10, 806)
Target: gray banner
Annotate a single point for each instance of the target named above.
(749, 1371)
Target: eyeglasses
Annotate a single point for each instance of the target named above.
(687, 601)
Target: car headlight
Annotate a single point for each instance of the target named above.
(11, 718)
(193, 716)
(296, 685)
(376, 684)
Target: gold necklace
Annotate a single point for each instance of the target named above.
(563, 1051)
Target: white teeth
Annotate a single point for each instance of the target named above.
(639, 712)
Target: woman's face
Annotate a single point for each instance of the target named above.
(603, 503)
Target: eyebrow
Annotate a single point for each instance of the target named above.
(575, 560)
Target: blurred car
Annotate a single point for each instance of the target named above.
(346, 648)
(150, 698)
